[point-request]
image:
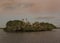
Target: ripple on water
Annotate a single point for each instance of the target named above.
(31, 37)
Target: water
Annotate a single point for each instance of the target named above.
(31, 37)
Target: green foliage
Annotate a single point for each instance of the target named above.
(19, 25)
(14, 25)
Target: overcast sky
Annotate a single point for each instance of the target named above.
(40, 10)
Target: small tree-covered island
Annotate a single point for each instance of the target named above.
(22, 26)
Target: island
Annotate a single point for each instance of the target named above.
(23, 26)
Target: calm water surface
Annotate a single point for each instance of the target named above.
(31, 37)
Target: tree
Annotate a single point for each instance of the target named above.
(14, 25)
(20, 25)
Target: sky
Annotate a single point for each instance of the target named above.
(33, 10)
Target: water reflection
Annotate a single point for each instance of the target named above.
(30, 37)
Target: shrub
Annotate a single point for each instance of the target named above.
(19, 25)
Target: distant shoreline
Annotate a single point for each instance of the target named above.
(55, 28)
